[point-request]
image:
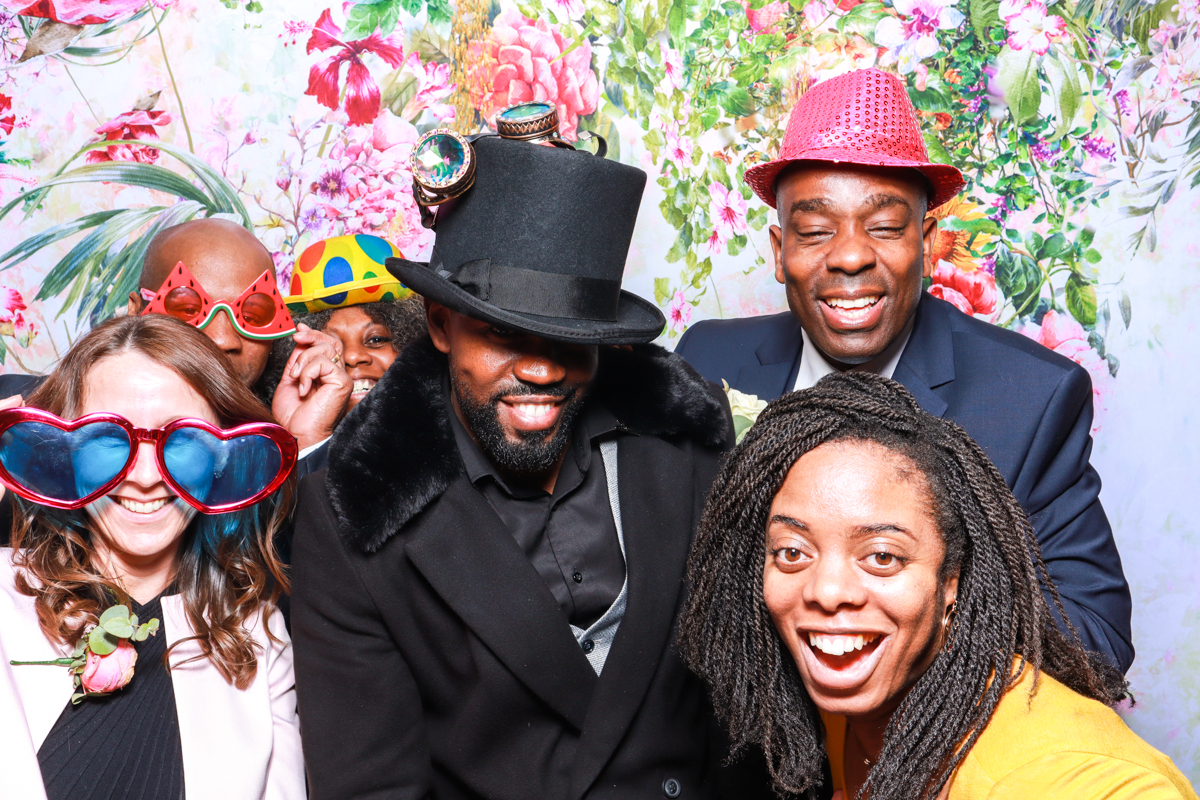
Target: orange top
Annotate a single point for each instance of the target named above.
(1058, 744)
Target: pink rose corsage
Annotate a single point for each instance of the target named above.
(104, 656)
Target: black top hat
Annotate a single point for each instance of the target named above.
(538, 244)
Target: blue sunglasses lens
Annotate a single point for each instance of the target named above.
(64, 465)
(219, 472)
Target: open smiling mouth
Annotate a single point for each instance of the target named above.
(849, 312)
(148, 507)
(843, 651)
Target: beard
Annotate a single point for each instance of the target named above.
(534, 452)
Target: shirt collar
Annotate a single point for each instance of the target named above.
(814, 365)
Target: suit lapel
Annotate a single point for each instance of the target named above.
(928, 358)
(778, 359)
(656, 555)
(462, 548)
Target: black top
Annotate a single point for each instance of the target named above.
(123, 746)
(569, 536)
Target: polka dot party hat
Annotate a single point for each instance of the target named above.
(344, 271)
(863, 117)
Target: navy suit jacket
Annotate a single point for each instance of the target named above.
(1029, 408)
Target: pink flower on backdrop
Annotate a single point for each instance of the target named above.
(680, 313)
(971, 292)
(75, 12)
(12, 320)
(672, 65)
(283, 267)
(1067, 337)
(767, 18)
(727, 210)
(362, 93)
(679, 150)
(104, 674)
(293, 30)
(568, 8)
(433, 86)
(1030, 26)
(8, 119)
(528, 63)
(912, 37)
(130, 125)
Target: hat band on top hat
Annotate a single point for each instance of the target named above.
(545, 294)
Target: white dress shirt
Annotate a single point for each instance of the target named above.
(814, 365)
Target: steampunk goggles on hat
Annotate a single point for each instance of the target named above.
(68, 464)
(443, 161)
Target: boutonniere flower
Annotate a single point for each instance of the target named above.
(745, 408)
(104, 656)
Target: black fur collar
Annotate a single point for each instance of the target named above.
(396, 452)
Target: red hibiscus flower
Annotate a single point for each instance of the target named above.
(972, 292)
(7, 118)
(74, 12)
(130, 125)
(362, 93)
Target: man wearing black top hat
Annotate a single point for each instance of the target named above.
(487, 576)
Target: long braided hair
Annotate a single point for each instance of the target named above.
(1002, 611)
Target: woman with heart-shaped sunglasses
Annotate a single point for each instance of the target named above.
(146, 475)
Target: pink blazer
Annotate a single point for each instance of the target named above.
(237, 744)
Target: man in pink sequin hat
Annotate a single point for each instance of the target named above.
(853, 186)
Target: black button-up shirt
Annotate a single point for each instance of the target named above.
(569, 536)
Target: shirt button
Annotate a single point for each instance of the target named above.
(577, 577)
(671, 788)
(589, 646)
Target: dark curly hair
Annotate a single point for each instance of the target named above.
(1003, 609)
(404, 319)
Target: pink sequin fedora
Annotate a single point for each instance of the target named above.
(862, 117)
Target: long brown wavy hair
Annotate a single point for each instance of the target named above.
(227, 570)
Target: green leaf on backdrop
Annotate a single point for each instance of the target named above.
(601, 124)
(1067, 92)
(662, 291)
(737, 103)
(1017, 72)
(1019, 278)
(374, 15)
(937, 151)
(1056, 246)
(1081, 299)
(984, 14)
(677, 22)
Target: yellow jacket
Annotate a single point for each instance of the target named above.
(1062, 746)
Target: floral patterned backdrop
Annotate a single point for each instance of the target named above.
(1074, 122)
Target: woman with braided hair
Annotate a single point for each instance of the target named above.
(865, 589)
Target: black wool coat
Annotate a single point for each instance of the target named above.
(432, 661)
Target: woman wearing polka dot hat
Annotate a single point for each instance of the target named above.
(340, 286)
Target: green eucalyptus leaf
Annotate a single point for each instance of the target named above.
(115, 612)
(133, 620)
(119, 627)
(101, 641)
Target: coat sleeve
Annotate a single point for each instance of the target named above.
(285, 774)
(1060, 490)
(360, 710)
